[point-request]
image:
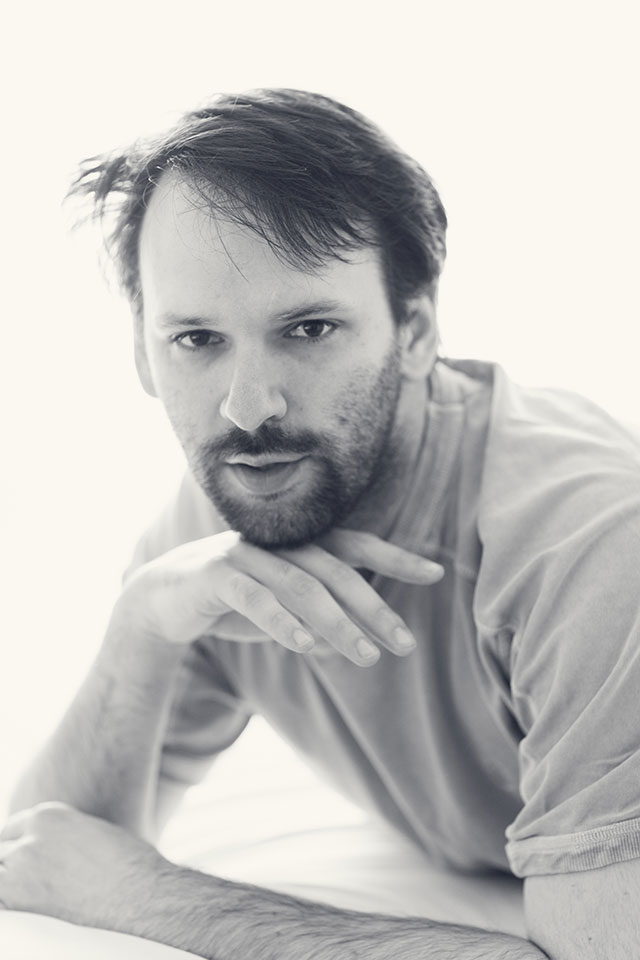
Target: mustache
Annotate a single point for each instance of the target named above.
(266, 440)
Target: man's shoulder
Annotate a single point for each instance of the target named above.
(188, 515)
(561, 486)
(552, 446)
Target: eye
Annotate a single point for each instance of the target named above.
(197, 339)
(311, 330)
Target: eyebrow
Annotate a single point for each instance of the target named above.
(170, 319)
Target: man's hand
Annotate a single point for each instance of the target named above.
(57, 861)
(286, 595)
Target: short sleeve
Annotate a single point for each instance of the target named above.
(575, 683)
(559, 588)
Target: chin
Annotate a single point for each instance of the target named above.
(281, 521)
(278, 528)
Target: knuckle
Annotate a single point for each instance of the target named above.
(385, 617)
(25, 849)
(231, 554)
(346, 576)
(304, 585)
(357, 553)
(345, 630)
(280, 622)
(357, 540)
(47, 814)
(285, 568)
(211, 565)
(51, 809)
(247, 590)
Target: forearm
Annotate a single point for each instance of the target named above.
(103, 757)
(220, 920)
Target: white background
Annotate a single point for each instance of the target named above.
(525, 114)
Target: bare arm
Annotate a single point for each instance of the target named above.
(230, 921)
(104, 755)
(590, 915)
(116, 881)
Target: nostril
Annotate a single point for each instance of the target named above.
(248, 408)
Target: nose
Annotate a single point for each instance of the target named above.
(254, 396)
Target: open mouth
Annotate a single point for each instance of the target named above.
(268, 477)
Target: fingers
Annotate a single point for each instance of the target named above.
(333, 599)
(282, 593)
(357, 601)
(368, 552)
(301, 598)
(309, 595)
(255, 601)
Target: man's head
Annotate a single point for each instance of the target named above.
(313, 177)
(280, 255)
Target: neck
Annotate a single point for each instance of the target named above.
(379, 507)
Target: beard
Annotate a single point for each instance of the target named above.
(352, 463)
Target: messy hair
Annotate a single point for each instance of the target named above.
(312, 177)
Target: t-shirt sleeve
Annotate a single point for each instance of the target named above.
(575, 685)
(206, 713)
(561, 581)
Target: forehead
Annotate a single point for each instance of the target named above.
(191, 260)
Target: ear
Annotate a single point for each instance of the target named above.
(419, 338)
(140, 354)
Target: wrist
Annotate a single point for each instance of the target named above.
(128, 651)
(128, 632)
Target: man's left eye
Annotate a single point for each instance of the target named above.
(311, 330)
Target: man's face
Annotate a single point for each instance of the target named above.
(280, 383)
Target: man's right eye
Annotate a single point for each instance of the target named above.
(197, 339)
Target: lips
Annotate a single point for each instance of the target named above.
(268, 478)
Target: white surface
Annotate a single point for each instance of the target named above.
(24, 936)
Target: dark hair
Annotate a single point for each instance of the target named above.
(313, 177)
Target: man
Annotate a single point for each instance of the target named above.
(439, 570)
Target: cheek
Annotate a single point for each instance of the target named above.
(191, 410)
(368, 400)
(357, 389)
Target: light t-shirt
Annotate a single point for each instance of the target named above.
(517, 718)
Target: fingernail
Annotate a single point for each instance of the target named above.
(302, 640)
(431, 568)
(403, 639)
(367, 650)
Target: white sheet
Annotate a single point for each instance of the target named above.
(25, 936)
